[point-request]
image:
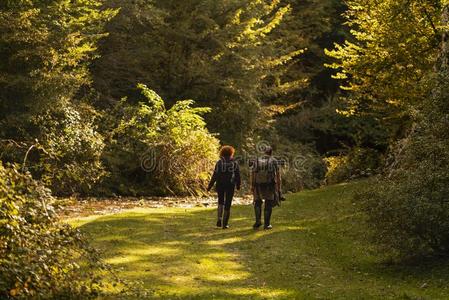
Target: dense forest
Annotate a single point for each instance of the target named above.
(258, 67)
(109, 98)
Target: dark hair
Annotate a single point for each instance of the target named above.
(227, 151)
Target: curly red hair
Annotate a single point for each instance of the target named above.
(227, 151)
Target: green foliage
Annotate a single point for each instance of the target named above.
(352, 146)
(357, 163)
(222, 54)
(306, 169)
(312, 25)
(408, 207)
(331, 131)
(41, 258)
(45, 51)
(409, 213)
(155, 150)
(72, 162)
(385, 65)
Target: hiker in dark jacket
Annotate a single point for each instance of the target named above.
(227, 177)
(265, 186)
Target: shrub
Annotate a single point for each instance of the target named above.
(73, 148)
(305, 168)
(409, 208)
(40, 258)
(358, 163)
(409, 214)
(154, 150)
(66, 153)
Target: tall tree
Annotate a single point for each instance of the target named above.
(386, 64)
(45, 50)
(312, 25)
(221, 54)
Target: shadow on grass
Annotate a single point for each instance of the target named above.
(317, 250)
(183, 256)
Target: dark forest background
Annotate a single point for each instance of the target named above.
(71, 105)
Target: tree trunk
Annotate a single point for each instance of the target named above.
(444, 55)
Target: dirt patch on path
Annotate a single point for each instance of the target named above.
(80, 207)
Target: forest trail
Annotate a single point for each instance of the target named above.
(317, 250)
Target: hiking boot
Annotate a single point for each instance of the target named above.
(219, 223)
(257, 225)
(269, 227)
(226, 215)
(267, 217)
(258, 214)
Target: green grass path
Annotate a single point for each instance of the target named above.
(317, 250)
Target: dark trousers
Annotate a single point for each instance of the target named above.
(225, 196)
(268, 203)
(268, 209)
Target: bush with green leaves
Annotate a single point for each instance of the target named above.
(73, 147)
(357, 163)
(409, 214)
(41, 258)
(155, 150)
(409, 210)
(67, 156)
(305, 168)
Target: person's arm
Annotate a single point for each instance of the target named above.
(214, 177)
(278, 179)
(238, 179)
(252, 177)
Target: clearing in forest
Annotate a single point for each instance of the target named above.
(317, 250)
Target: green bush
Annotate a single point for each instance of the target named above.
(409, 208)
(409, 214)
(305, 168)
(158, 151)
(409, 211)
(73, 148)
(40, 258)
(358, 163)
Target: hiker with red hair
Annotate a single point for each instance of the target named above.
(226, 176)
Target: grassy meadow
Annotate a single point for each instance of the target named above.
(318, 249)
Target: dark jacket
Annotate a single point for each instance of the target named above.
(226, 174)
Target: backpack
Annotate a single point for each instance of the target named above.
(265, 171)
(226, 172)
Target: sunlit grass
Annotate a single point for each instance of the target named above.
(317, 250)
